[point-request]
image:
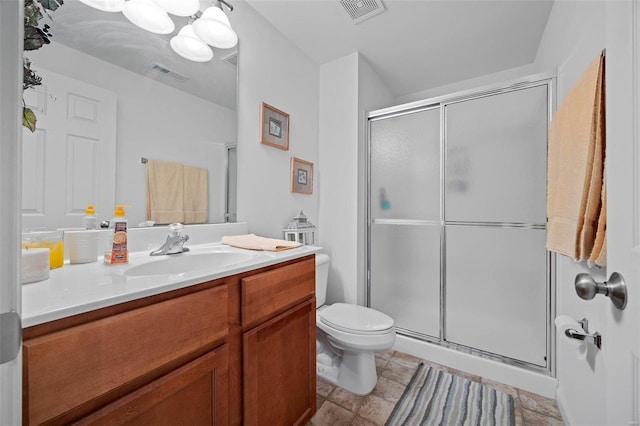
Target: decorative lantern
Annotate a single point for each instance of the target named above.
(300, 230)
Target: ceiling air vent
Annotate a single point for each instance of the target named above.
(168, 72)
(359, 10)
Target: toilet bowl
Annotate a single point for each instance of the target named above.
(347, 338)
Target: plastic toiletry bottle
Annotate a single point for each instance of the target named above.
(89, 220)
(118, 252)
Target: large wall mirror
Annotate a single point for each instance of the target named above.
(111, 95)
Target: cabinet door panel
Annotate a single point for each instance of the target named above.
(69, 370)
(195, 394)
(267, 294)
(280, 369)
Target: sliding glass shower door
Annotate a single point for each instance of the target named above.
(495, 215)
(457, 221)
(405, 219)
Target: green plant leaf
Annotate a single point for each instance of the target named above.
(50, 4)
(34, 38)
(29, 119)
(29, 77)
(32, 13)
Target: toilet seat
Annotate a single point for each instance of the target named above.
(356, 319)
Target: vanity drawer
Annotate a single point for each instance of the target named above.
(67, 369)
(270, 293)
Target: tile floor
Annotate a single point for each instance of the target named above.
(339, 407)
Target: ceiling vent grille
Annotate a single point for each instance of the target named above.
(168, 72)
(360, 10)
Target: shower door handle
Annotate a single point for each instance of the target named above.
(615, 288)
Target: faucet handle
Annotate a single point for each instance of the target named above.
(175, 229)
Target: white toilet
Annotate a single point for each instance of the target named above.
(347, 337)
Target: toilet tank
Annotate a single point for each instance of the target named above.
(322, 276)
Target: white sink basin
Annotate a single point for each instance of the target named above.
(188, 262)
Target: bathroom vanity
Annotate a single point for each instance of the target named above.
(231, 344)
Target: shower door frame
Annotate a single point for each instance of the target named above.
(441, 102)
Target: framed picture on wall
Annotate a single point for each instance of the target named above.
(301, 176)
(274, 127)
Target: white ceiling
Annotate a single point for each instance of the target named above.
(417, 44)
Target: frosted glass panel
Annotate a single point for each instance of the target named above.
(496, 158)
(496, 297)
(405, 166)
(405, 275)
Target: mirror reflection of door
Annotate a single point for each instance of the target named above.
(70, 160)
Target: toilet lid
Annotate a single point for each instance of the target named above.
(355, 318)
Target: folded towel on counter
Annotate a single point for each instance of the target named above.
(254, 242)
(575, 167)
(165, 191)
(196, 195)
(176, 193)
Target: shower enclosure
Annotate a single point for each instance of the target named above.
(456, 221)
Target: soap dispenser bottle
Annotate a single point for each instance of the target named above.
(90, 221)
(118, 244)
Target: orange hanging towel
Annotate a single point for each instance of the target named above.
(575, 198)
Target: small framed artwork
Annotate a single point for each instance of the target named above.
(301, 176)
(274, 127)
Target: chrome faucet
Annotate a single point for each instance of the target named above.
(174, 243)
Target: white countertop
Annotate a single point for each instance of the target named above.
(75, 289)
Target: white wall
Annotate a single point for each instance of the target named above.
(339, 152)
(147, 113)
(349, 87)
(574, 36)
(372, 95)
(272, 70)
(472, 83)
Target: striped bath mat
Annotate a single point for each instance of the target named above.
(435, 397)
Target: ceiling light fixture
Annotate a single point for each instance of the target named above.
(149, 16)
(189, 46)
(212, 27)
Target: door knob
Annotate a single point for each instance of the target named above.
(615, 288)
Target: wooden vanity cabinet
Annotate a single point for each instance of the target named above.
(239, 350)
(77, 365)
(279, 345)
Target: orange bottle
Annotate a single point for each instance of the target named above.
(118, 252)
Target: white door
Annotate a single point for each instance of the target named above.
(621, 336)
(10, 119)
(70, 160)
